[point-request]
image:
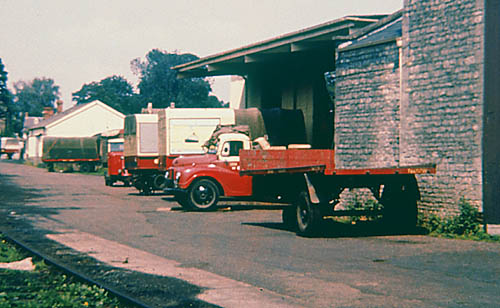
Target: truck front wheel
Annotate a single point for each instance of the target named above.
(203, 195)
(308, 215)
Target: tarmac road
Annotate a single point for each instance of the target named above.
(240, 256)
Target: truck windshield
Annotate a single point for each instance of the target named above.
(116, 147)
(12, 142)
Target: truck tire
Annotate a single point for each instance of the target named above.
(400, 205)
(84, 167)
(289, 215)
(308, 216)
(203, 195)
(158, 182)
(107, 181)
(50, 167)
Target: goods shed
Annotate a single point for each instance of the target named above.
(288, 71)
(418, 86)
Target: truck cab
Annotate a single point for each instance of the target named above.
(200, 180)
(9, 146)
(116, 164)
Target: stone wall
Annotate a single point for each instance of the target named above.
(441, 108)
(367, 99)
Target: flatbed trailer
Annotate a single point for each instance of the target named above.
(305, 178)
(316, 185)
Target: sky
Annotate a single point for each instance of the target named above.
(81, 41)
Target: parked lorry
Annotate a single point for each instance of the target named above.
(180, 131)
(243, 167)
(141, 151)
(116, 171)
(183, 131)
(80, 151)
(9, 146)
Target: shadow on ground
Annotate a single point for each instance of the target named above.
(335, 229)
(16, 203)
(235, 206)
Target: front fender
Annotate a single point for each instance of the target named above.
(231, 182)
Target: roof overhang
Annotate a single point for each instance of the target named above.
(239, 61)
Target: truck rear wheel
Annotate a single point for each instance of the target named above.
(203, 195)
(308, 216)
(87, 167)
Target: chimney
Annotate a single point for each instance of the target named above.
(59, 106)
(172, 105)
(47, 112)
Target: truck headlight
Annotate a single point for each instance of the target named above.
(178, 176)
(166, 175)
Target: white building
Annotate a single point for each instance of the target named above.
(79, 121)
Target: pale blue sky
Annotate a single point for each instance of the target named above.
(77, 42)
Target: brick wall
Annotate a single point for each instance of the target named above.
(441, 108)
(367, 99)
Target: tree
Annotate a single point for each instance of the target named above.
(159, 83)
(114, 91)
(33, 96)
(7, 108)
(5, 95)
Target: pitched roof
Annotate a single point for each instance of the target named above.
(68, 112)
(387, 29)
(29, 122)
(316, 37)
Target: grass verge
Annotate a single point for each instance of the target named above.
(46, 286)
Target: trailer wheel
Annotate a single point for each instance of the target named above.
(400, 204)
(84, 167)
(203, 195)
(9, 155)
(308, 216)
(289, 215)
(50, 167)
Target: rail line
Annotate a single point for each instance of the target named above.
(120, 295)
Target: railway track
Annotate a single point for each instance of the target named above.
(125, 298)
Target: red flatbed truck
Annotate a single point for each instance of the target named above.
(305, 178)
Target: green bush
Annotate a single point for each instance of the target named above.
(465, 225)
